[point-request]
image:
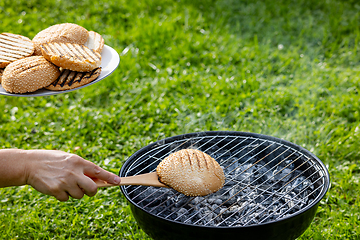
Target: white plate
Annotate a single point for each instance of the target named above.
(109, 62)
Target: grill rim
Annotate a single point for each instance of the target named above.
(307, 153)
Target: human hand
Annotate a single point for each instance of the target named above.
(62, 174)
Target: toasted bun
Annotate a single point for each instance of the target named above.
(95, 42)
(1, 73)
(71, 56)
(71, 79)
(29, 74)
(191, 172)
(14, 47)
(61, 33)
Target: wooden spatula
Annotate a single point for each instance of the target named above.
(147, 179)
(189, 171)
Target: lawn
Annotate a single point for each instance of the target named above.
(289, 69)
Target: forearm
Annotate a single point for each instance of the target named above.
(12, 167)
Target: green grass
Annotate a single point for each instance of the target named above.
(288, 69)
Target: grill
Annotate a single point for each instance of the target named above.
(270, 184)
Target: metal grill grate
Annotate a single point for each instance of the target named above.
(266, 180)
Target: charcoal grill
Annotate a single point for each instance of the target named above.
(272, 189)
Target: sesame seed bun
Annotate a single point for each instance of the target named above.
(95, 42)
(71, 56)
(1, 73)
(61, 33)
(29, 74)
(14, 47)
(191, 172)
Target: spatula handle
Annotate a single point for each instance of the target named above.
(147, 179)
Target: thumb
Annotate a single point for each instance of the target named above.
(94, 171)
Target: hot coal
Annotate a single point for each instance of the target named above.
(258, 189)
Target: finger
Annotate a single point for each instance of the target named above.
(76, 192)
(94, 171)
(62, 196)
(88, 186)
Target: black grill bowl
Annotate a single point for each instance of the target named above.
(266, 150)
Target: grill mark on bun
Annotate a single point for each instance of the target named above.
(69, 75)
(56, 49)
(68, 50)
(84, 75)
(71, 56)
(6, 49)
(25, 67)
(61, 33)
(73, 77)
(45, 47)
(187, 178)
(61, 78)
(206, 160)
(198, 160)
(70, 79)
(188, 158)
(7, 58)
(78, 78)
(50, 49)
(77, 51)
(14, 47)
(15, 43)
(89, 53)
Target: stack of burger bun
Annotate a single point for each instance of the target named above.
(60, 57)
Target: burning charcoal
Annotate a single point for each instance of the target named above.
(259, 198)
(266, 199)
(225, 154)
(231, 212)
(217, 209)
(223, 191)
(307, 184)
(214, 148)
(304, 196)
(297, 183)
(180, 200)
(289, 164)
(215, 200)
(243, 173)
(213, 207)
(169, 202)
(282, 174)
(196, 200)
(246, 207)
(252, 219)
(289, 201)
(149, 196)
(230, 165)
(300, 183)
(205, 216)
(234, 191)
(181, 214)
(297, 173)
(281, 211)
(250, 196)
(261, 175)
(166, 211)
